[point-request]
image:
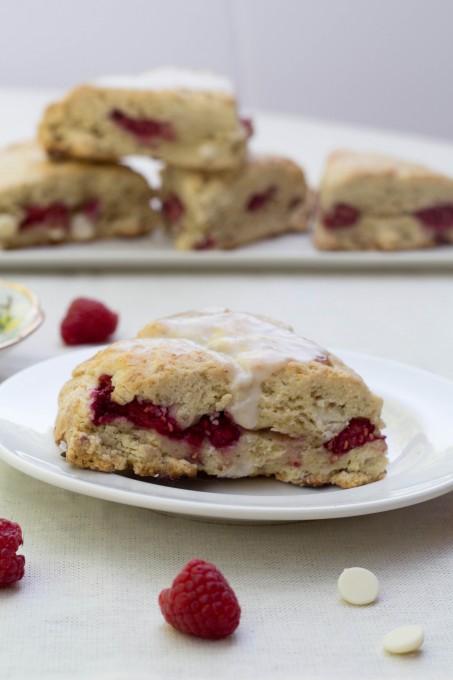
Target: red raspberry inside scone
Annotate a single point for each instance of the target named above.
(57, 215)
(341, 215)
(218, 428)
(146, 130)
(260, 200)
(358, 432)
(437, 219)
(173, 208)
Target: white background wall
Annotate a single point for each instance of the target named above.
(385, 63)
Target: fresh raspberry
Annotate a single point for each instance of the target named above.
(87, 321)
(11, 565)
(358, 432)
(200, 602)
(342, 215)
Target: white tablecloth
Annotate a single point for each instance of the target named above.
(87, 607)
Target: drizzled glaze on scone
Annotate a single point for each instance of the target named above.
(257, 347)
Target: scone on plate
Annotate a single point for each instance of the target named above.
(225, 394)
(368, 201)
(44, 202)
(267, 196)
(186, 118)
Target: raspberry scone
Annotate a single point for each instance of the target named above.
(186, 118)
(368, 201)
(265, 197)
(44, 202)
(225, 394)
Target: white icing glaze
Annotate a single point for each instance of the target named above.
(168, 78)
(256, 346)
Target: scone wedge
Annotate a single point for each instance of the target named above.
(185, 118)
(42, 202)
(266, 196)
(223, 394)
(372, 202)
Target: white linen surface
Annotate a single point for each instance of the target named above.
(87, 607)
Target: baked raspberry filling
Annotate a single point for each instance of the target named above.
(173, 208)
(145, 129)
(260, 200)
(358, 432)
(218, 428)
(56, 214)
(437, 218)
(207, 244)
(342, 215)
(247, 123)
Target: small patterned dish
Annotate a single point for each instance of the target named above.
(20, 313)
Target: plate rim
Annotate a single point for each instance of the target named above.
(155, 253)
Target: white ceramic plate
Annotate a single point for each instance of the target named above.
(419, 429)
(20, 313)
(294, 251)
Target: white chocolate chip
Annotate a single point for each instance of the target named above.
(82, 228)
(208, 151)
(403, 640)
(56, 233)
(8, 225)
(358, 586)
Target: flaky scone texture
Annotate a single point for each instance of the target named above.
(287, 397)
(29, 181)
(267, 196)
(200, 129)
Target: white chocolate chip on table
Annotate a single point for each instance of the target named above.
(358, 586)
(403, 640)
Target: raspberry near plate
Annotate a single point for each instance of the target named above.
(419, 431)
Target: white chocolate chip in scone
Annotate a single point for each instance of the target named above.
(82, 228)
(8, 225)
(208, 151)
(404, 639)
(358, 586)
